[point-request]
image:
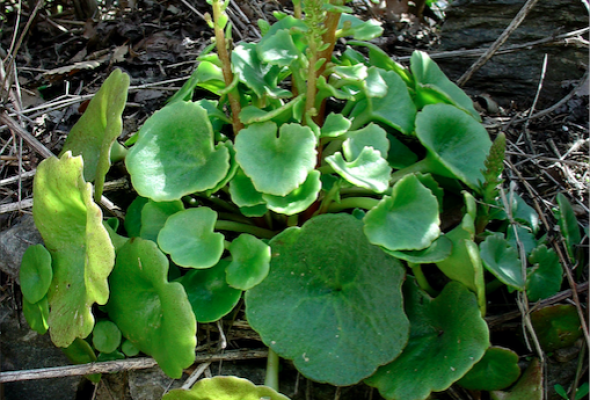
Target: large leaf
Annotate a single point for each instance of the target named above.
(224, 388)
(81, 252)
(457, 145)
(100, 125)
(329, 287)
(152, 313)
(174, 154)
(209, 294)
(408, 220)
(430, 80)
(276, 165)
(447, 338)
(189, 238)
(497, 370)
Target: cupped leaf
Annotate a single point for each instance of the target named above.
(224, 388)
(408, 220)
(250, 262)
(545, 276)
(497, 370)
(81, 252)
(129, 349)
(379, 58)
(278, 49)
(154, 215)
(528, 387)
(276, 165)
(37, 315)
(429, 76)
(501, 259)
(106, 336)
(557, 326)
(152, 313)
(242, 191)
(80, 352)
(447, 338)
(98, 128)
(189, 238)
(438, 251)
(394, 107)
(209, 76)
(174, 154)
(568, 224)
(329, 283)
(457, 144)
(361, 30)
(372, 136)
(369, 170)
(35, 273)
(335, 125)
(209, 294)
(299, 199)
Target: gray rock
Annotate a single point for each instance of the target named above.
(150, 384)
(13, 244)
(473, 24)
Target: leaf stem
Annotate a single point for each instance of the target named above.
(421, 279)
(422, 166)
(232, 226)
(272, 370)
(366, 203)
(228, 77)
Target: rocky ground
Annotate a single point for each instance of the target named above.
(56, 66)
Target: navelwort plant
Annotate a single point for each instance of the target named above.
(317, 187)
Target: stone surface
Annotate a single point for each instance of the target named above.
(474, 24)
(14, 242)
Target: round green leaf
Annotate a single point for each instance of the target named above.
(430, 77)
(329, 287)
(544, 278)
(369, 170)
(224, 388)
(81, 251)
(299, 199)
(242, 191)
(106, 336)
(80, 352)
(209, 294)
(250, 262)
(447, 338)
(557, 327)
(129, 349)
(35, 273)
(152, 313)
(334, 125)
(497, 370)
(502, 261)
(276, 165)
(174, 154)
(408, 220)
(457, 144)
(154, 215)
(37, 314)
(189, 238)
(370, 136)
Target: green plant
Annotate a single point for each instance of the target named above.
(284, 188)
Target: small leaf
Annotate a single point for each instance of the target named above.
(80, 352)
(154, 215)
(152, 313)
(242, 191)
(133, 216)
(370, 136)
(209, 294)
(210, 76)
(362, 30)
(98, 128)
(497, 370)
(408, 220)
(224, 388)
(568, 224)
(544, 278)
(379, 58)
(323, 271)
(276, 165)
(174, 154)
(35, 273)
(525, 237)
(502, 261)
(106, 336)
(557, 327)
(37, 315)
(81, 251)
(299, 199)
(129, 349)
(528, 387)
(278, 49)
(457, 144)
(189, 238)
(250, 262)
(438, 251)
(369, 170)
(335, 125)
(429, 76)
(448, 329)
